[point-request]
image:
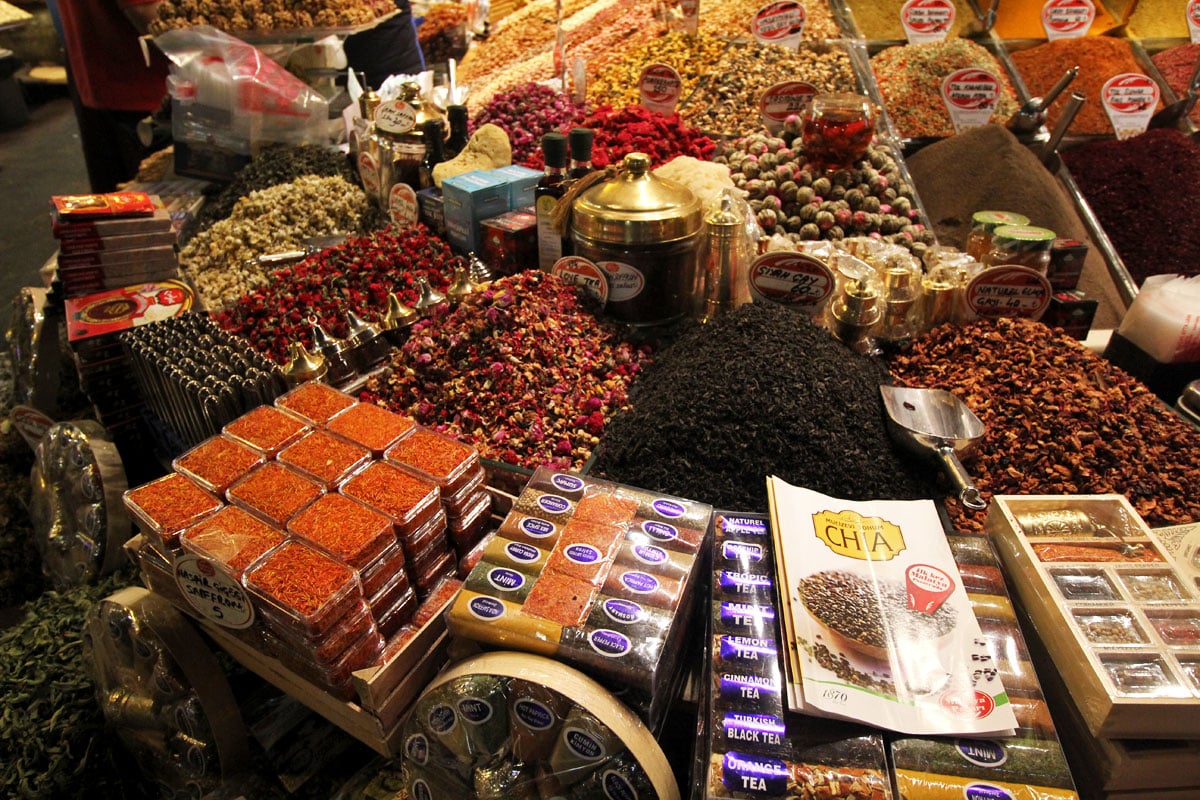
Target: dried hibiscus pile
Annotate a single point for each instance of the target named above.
(357, 275)
(523, 371)
(634, 129)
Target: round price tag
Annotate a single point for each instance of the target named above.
(1129, 100)
(782, 100)
(213, 593)
(395, 116)
(1193, 20)
(582, 272)
(402, 205)
(1009, 290)
(927, 587)
(691, 15)
(781, 22)
(1067, 19)
(796, 280)
(31, 423)
(927, 20)
(368, 173)
(970, 96)
(659, 88)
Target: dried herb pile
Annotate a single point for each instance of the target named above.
(523, 370)
(51, 728)
(1059, 420)
(761, 391)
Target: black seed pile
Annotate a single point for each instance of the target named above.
(875, 615)
(273, 166)
(760, 391)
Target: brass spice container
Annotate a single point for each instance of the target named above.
(643, 233)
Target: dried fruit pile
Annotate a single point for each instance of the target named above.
(1059, 420)
(523, 371)
(527, 112)
(357, 275)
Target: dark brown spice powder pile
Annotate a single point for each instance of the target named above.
(761, 391)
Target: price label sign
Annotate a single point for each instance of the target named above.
(927, 20)
(1009, 291)
(659, 88)
(970, 96)
(1067, 19)
(582, 272)
(1193, 20)
(402, 205)
(782, 101)
(1129, 99)
(781, 22)
(213, 593)
(395, 116)
(795, 280)
(691, 15)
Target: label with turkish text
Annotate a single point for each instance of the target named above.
(927, 20)
(1193, 20)
(659, 88)
(402, 205)
(582, 272)
(970, 96)
(1130, 100)
(782, 101)
(213, 592)
(781, 23)
(1009, 290)
(795, 280)
(1067, 19)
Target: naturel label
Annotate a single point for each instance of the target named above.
(795, 280)
(782, 101)
(1130, 100)
(579, 271)
(970, 95)
(781, 23)
(927, 20)
(1009, 290)
(402, 205)
(1067, 19)
(213, 592)
(659, 87)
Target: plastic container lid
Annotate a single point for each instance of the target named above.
(407, 499)
(298, 584)
(315, 401)
(274, 492)
(444, 460)
(266, 428)
(432, 575)
(330, 646)
(400, 614)
(169, 504)
(988, 221)
(464, 500)
(217, 462)
(1023, 237)
(371, 426)
(379, 572)
(323, 457)
(391, 593)
(345, 528)
(232, 537)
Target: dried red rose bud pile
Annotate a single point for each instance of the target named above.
(526, 113)
(634, 129)
(523, 370)
(357, 275)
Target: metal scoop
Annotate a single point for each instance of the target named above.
(933, 422)
(1169, 116)
(1032, 115)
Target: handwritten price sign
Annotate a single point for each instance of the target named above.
(1129, 99)
(970, 96)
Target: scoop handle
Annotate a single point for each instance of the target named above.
(968, 495)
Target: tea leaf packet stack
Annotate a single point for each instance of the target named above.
(882, 625)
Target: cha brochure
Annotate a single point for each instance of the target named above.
(879, 625)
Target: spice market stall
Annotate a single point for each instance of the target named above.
(511, 528)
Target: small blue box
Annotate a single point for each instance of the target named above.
(430, 210)
(521, 183)
(468, 199)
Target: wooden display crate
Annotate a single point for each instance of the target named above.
(1104, 614)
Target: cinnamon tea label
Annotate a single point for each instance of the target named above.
(659, 88)
(1130, 100)
(781, 23)
(1009, 290)
(795, 280)
(1067, 19)
(213, 593)
(782, 101)
(927, 20)
(970, 95)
